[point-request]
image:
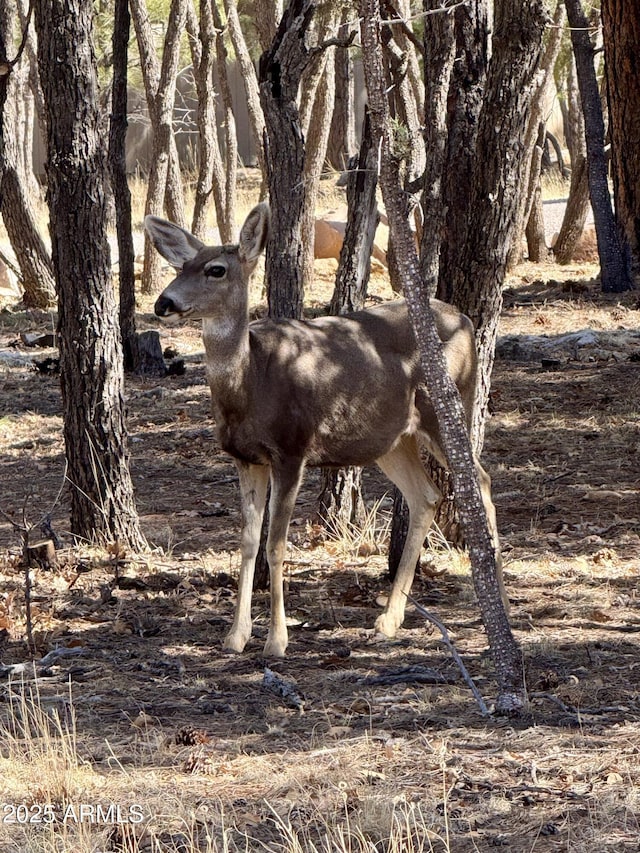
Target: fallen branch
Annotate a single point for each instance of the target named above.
(484, 710)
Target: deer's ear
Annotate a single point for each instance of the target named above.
(174, 243)
(255, 233)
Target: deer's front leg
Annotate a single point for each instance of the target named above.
(285, 483)
(254, 480)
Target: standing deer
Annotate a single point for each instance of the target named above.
(334, 391)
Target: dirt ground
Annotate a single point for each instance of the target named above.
(381, 745)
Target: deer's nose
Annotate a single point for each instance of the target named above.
(165, 306)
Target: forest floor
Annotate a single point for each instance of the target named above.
(168, 743)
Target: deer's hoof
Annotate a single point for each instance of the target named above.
(275, 647)
(235, 642)
(386, 624)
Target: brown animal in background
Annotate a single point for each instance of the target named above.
(333, 391)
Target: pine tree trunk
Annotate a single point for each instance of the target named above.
(251, 85)
(281, 70)
(493, 194)
(102, 501)
(578, 203)
(211, 174)
(16, 188)
(164, 178)
(120, 186)
(342, 136)
(615, 273)
(621, 30)
(341, 495)
(537, 250)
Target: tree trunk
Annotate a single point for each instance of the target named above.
(537, 250)
(16, 188)
(354, 264)
(493, 194)
(251, 86)
(31, 253)
(281, 70)
(615, 273)
(578, 204)
(341, 495)
(342, 136)
(216, 175)
(534, 138)
(160, 81)
(315, 152)
(267, 17)
(119, 184)
(466, 91)
(445, 398)
(621, 30)
(102, 501)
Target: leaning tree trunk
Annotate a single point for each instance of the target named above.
(621, 31)
(615, 273)
(537, 250)
(443, 393)
(102, 501)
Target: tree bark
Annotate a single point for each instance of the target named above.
(16, 188)
(578, 204)
(102, 501)
(468, 77)
(621, 31)
(251, 86)
(281, 70)
(120, 186)
(615, 272)
(354, 264)
(216, 174)
(537, 250)
(446, 400)
(530, 175)
(342, 136)
(341, 495)
(493, 194)
(315, 152)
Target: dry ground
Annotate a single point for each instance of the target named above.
(144, 709)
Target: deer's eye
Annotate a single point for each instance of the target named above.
(215, 270)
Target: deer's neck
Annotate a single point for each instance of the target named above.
(226, 342)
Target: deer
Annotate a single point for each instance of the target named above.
(331, 391)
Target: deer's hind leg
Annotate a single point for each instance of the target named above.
(404, 468)
(254, 480)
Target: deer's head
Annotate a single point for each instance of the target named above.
(211, 280)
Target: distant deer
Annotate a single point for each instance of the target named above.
(334, 391)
